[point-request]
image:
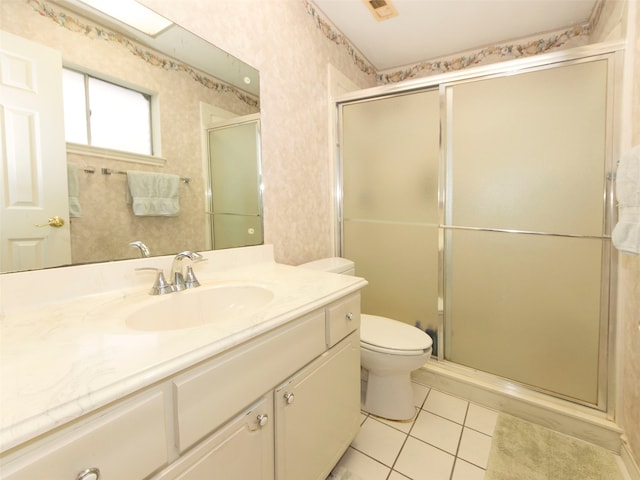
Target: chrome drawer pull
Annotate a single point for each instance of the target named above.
(89, 474)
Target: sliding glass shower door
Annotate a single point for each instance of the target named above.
(481, 209)
(390, 204)
(525, 244)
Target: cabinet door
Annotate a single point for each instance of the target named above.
(318, 413)
(240, 450)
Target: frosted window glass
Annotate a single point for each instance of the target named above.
(527, 151)
(120, 118)
(75, 117)
(105, 115)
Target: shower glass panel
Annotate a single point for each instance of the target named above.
(526, 308)
(234, 166)
(482, 210)
(526, 153)
(390, 151)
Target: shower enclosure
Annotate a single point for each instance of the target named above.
(479, 208)
(235, 192)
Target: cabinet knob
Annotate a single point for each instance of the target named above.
(89, 474)
(263, 418)
(289, 398)
(349, 316)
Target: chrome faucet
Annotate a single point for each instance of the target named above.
(144, 251)
(181, 278)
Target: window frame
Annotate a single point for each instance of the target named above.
(155, 158)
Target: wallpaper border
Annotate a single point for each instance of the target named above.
(73, 24)
(493, 53)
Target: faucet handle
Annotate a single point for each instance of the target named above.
(190, 280)
(160, 286)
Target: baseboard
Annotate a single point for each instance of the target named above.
(629, 462)
(561, 416)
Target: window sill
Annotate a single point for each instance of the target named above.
(79, 149)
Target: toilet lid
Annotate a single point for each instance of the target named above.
(384, 334)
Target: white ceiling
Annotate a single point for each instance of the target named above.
(429, 29)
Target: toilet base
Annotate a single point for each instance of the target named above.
(389, 396)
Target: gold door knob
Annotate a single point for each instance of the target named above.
(56, 222)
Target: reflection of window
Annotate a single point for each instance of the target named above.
(106, 115)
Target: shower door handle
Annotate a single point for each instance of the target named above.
(523, 232)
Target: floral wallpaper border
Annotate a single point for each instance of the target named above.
(338, 38)
(498, 52)
(73, 24)
(503, 52)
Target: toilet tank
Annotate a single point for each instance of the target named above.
(331, 264)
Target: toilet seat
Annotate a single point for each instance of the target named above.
(380, 334)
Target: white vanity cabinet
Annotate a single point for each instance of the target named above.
(282, 405)
(317, 408)
(125, 442)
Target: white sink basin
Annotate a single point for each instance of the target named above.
(199, 306)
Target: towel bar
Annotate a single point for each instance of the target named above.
(109, 171)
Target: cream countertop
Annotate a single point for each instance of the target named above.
(63, 360)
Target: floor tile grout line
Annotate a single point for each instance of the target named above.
(391, 470)
(407, 434)
(441, 416)
(455, 459)
(372, 458)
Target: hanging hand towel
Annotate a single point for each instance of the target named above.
(626, 233)
(74, 191)
(154, 194)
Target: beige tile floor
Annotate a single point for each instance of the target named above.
(449, 439)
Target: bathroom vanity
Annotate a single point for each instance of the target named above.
(272, 392)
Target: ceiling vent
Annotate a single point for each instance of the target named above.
(381, 9)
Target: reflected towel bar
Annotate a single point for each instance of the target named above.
(524, 232)
(109, 171)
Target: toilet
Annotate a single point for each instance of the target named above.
(389, 351)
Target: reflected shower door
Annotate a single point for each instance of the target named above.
(236, 201)
(526, 153)
(390, 149)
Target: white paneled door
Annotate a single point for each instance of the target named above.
(33, 179)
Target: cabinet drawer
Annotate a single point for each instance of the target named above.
(342, 319)
(210, 394)
(128, 442)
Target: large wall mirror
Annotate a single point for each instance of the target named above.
(204, 129)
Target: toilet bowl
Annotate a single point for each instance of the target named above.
(389, 351)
